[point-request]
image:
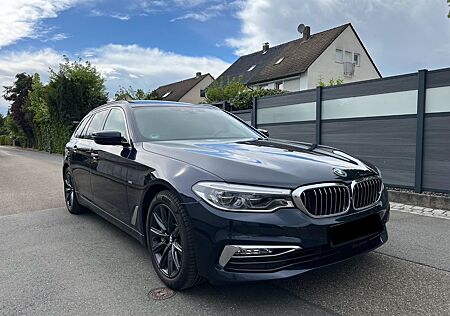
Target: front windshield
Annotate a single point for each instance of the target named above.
(185, 123)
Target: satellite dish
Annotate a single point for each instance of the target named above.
(301, 28)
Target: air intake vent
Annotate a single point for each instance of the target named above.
(323, 200)
(366, 192)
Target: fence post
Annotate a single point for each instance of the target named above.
(318, 115)
(421, 95)
(254, 117)
(226, 106)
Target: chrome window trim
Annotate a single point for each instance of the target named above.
(298, 201)
(355, 182)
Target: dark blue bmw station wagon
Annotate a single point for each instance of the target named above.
(214, 198)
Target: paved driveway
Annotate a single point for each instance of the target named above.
(56, 263)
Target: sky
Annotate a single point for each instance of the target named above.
(147, 43)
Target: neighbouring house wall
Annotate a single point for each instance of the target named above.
(325, 67)
(291, 85)
(193, 96)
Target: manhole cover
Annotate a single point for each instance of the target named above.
(162, 293)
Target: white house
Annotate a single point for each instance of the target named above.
(301, 64)
(188, 90)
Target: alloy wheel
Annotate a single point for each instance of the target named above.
(165, 240)
(69, 191)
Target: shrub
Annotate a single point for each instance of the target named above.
(5, 140)
(244, 100)
(220, 91)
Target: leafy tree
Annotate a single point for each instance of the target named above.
(235, 92)
(18, 95)
(12, 128)
(220, 91)
(139, 94)
(39, 111)
(2, 124)
(153, 95)
(448, 15)
(74, 90)
(42, 115)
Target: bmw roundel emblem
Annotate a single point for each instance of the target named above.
(339, 172)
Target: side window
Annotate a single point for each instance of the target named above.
(85, 127)
(80, 127)
(116, 122)
(96, 123)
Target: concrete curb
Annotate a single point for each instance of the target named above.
(429, 201)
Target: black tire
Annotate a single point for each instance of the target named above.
(169, 232)
(70, 195)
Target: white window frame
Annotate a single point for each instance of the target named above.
(336, 59)
(358, 62)
(348, 53)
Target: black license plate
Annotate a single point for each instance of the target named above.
(355, 230)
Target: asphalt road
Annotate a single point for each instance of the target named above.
(55, 263)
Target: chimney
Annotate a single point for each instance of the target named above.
(306, 33)
(265, 47)
(198, 74)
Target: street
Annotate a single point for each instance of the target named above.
(55, 263)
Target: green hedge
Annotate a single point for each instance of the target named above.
(5, 140)
(244, 100)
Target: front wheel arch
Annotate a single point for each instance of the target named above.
(152, 191)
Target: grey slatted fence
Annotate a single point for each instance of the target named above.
(400, 123)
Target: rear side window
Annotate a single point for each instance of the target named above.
(96, 123)
(80, 127)
(116, 122)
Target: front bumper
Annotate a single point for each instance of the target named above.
(215, 229)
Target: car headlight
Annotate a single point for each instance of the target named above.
(243, 198)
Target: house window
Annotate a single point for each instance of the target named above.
(263, 86)
(356, 59)
(166, 94)
(279, 61)
(251, 68)
(279, 85)
(339, 56)
(348, 57)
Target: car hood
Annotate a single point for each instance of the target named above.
(267, 162)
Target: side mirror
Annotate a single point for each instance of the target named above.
(264, 132)
(109, 138)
